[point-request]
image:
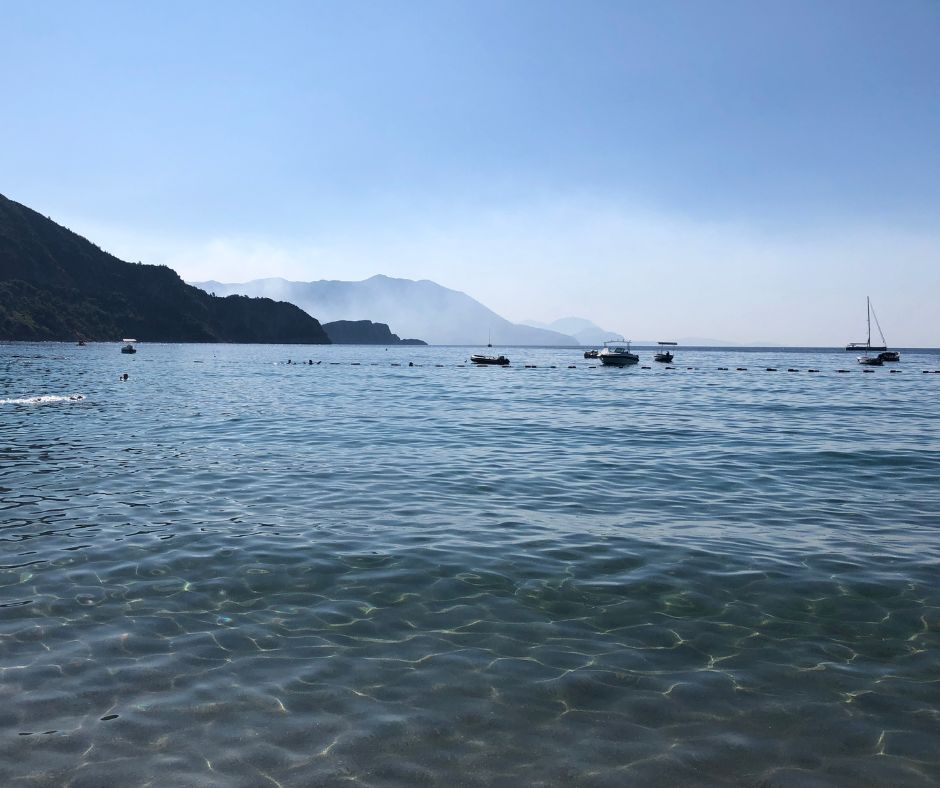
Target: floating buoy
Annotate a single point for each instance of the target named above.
(396, 365)
(893, 371)
(742, 369)
(355, 363)
(841, 370)
(572, 366)
(869, 371)
(644, 367)
(410, 363)
(722, 369)
(790, 369)
(771, 369)
(812, 370)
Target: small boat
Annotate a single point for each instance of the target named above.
(129, 347)
(500, 361)
(664, 355)
(870, 361)
(883, 353)
(591, 353)
(617, 353)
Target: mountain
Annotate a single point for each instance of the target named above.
(364, 332)
(586, 332)
(423, 309)
(56, 285)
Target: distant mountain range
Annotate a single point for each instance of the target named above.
(56, 285)
(586, 332)
(422, 309)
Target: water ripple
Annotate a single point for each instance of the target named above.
(241, 572)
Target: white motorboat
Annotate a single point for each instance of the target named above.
(617, 353)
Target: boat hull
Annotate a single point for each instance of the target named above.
(665, 358)
(618, 359)
(499, 361)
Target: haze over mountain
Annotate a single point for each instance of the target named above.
(586, 332)
(424, 309)
(56, 285)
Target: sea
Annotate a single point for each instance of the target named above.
(370, 566)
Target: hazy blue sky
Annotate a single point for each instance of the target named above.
(740, 170)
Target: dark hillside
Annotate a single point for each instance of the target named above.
(364, 332)
(56, 285)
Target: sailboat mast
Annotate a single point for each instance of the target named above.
(868, 304)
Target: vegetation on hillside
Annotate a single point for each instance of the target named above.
(56, 285)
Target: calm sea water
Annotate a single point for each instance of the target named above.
(230, 571)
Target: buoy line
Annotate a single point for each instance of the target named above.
(663, 369)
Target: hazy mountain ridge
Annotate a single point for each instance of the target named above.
(422, 308)
(57, 285)
(586, 332)
(589, 333)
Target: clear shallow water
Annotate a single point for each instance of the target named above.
(231, 571)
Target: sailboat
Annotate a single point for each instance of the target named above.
(883, 353)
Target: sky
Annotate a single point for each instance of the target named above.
(746, 171)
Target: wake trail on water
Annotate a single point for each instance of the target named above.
(42, 399)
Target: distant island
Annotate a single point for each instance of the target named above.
(56, 285)
(422, 308)
(364, 332)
